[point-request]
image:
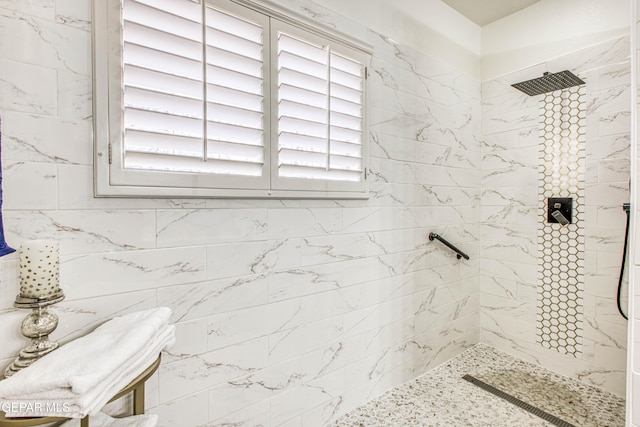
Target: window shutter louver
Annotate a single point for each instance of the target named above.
(320, 111)
(235, 117)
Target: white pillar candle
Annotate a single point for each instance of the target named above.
(39, 268)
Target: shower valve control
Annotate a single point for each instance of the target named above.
(559, 210)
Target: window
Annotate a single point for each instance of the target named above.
(219, 99)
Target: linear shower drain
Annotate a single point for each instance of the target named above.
(519, 403)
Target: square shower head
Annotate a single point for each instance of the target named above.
(549, 83)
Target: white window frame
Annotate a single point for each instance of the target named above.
(112, 180)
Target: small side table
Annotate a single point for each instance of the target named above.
(136, 386)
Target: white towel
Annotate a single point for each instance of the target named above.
(77, 406)
(81, 364)
(76, 374)
(103, 420)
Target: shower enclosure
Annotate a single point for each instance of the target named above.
(549, 290)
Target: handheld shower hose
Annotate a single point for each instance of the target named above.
(627, 208)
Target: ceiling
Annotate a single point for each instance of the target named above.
(483, 12)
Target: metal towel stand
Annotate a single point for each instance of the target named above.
(459, 253)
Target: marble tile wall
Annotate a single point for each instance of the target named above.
(633, 378)
(509, 248)
(288, 312)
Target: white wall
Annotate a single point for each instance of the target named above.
(549, 29)
(287, 311)
(428, 26)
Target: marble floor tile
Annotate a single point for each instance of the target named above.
(442, 398)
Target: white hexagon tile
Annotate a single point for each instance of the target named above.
(561, 247)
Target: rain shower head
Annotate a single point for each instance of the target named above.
(549, 83)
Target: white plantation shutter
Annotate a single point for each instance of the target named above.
(193, 94)
(215, 98)
(320, 112)
(163, 104)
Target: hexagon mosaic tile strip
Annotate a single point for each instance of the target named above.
(442, 398)
(561, 247)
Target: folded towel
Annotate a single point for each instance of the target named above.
(66, 401)
(103, 420)
(85, 362)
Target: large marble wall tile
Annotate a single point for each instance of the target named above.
(517, 196)
(90, 275)
(304, 339)
(320, 415)
(245, 391)
(303, 222)
(613, 170)
(34, 138)
(610, 340)
(202, 299)
(242, 325)
(613, 122)
(74, 95)
(46, 43)
(84, 232)
(192, 374)
(517, 157)
(256, 415)
(606, 239)
(502, 85)
(510, 214)
(41, 8)
(237, 259)
(517, 138)
(326, 249)
(491, 285)
(29, 186)
(510, 101)
(510, 120)
(207, 226)
(517, 250)
(607, 193)
(513, 175)
(615, 98)
(305, 397)
(390, 195)
(73, 13)
(409, 150)
(304, 281)
(610, 75)
(192, 410)
(27, 88)
(609, 52)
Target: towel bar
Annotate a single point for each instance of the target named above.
(459, 253)
(136, 386)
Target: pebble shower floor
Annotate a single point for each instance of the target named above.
(442, 398)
